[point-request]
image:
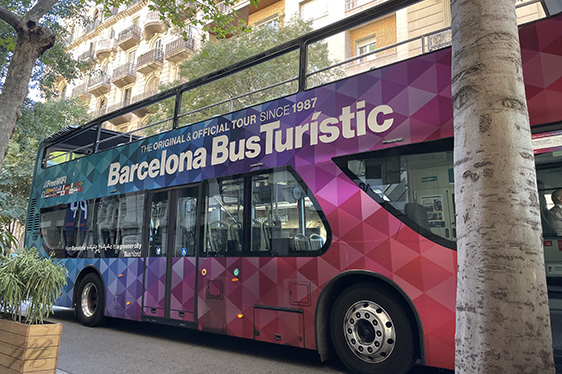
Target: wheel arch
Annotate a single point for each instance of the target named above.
(346, 279)
(90, 269)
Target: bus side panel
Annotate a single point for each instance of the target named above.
(367, 237)
(123, 282)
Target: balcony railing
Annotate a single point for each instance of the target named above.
(104, 47)
(179, 49)
(124, 75)
(99, 84)
(80, 90)
(121, 119)
(148, 109)
(86, 56)
(150, 61)
(153, 24)
(129, 37)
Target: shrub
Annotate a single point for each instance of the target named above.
(28, 278)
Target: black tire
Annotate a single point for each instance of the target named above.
(371, 332)
(90, 301)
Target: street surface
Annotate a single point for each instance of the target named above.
(126, 347)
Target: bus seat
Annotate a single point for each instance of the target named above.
(256, 236)
(302, 243)
(417, 213)
(271, 229)
(218, 236)
(316, 242)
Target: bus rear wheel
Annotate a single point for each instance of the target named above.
(91, 301)
(371, 332)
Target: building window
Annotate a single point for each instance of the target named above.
(270, 22)
(126, 96)
(365, 46)
(313, 9)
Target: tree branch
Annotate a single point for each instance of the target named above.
(39, 9)
(10, 18)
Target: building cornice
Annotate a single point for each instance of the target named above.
(107, 24)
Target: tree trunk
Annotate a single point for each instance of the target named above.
(503, 323)
(33, 40)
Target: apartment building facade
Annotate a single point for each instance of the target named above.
(134, 52)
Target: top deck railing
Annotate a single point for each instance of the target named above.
(428, 42)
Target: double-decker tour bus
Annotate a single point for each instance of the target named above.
(321, 219)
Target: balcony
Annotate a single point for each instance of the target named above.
(86, 56)
(121, 119)
(150, 61)
(105, 47)
(147, 109)
(81, 91)
(99, 85)
(129, 37)
(153, 24)
(180, 49)
(185, 10)
(124, 75)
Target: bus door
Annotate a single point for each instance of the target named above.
(220, 262)
(170, 265)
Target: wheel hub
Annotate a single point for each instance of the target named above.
(89, 300)
(369, 331)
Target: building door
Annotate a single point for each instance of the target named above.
(170, 263)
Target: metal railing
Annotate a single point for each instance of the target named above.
(179, 44)
(80, 90)
(154, 55)
(88, 55)
(98, 79)
(132, 32)
(300, 44)
(125, 69)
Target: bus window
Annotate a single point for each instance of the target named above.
(416, 185)
(186, 222)
(106, 227)
(67, 229)
(224, 217)
(158, 236)
(284, 218)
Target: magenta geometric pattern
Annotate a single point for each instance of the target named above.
(182, 303)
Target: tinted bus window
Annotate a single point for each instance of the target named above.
(284, 218)
(224, 217)
(265, 214)
(105, 227)
(413, 183)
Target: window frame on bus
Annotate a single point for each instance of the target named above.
(441, 145)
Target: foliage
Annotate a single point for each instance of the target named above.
(55, 62)
(26, 277)
(37, 122)
(253, 85)
(7, 239)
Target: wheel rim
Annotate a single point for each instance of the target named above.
(369, 331)
(89, 300)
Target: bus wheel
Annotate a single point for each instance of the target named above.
(90, 304)
(371, 332)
